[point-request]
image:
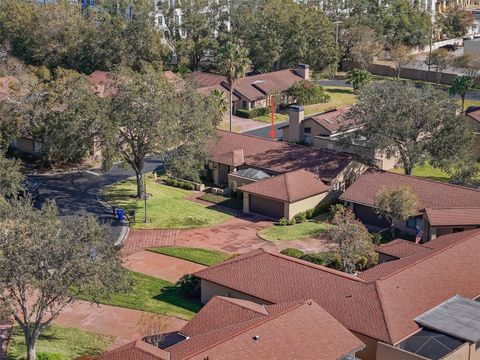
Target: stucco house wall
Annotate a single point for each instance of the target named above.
(293, 209)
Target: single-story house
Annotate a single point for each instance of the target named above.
(228, 328)
(443, 208)
(473, 113)
(325, 130)
(279, 179)
(388, 307)
(253, 91)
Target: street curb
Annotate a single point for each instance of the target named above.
(123, 235)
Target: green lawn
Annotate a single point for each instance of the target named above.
(153, 295)
(471, 103)
(199, 256)
(166, 209)
(232, 203)
(69, 342)
(308, 229)
(340, 96)
(428, 172)
(268, 118)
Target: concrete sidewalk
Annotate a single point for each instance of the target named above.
(160, 266)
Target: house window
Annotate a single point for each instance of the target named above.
(308, 130)
(336, 186)
(252, 105)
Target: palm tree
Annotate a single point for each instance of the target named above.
(233, 62)
(460, 86)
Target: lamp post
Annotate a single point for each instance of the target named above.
(145, 197)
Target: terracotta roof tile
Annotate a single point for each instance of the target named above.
(431, 194)
(279, 156)
(474, 114)
(205, 79)
(288, 331)
(290, 187)
(332, 120)
(382, 302)
(454, 217)
(400, 248)
(258, 86)
(136, 350)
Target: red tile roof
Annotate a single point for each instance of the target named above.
(431, 194)
(136, 350)
(400, 248)
(333, 120)
(279, 156)
(454, 217)
(381, 303)
(285, 187)
(475, 115)
(258, 86)
(205, 79)
(229, 329)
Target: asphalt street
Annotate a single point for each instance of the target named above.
(77, 193)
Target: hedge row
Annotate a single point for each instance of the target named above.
(179, 183)
(250, 114)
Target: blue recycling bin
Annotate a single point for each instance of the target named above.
(120, 214)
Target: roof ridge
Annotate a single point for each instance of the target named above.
(429, 180)
(318, 267)
(429, 255)
(225, 298)
(241, 331)
(384, 314)
(251, 254)
(453, 208)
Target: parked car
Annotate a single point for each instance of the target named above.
(449, 47)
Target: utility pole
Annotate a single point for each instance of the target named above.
(431, 41)
(145, 196)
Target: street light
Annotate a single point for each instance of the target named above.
(145, 196)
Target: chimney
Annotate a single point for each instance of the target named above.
(303, 70)
(296, 115)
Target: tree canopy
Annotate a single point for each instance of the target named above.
(150, 115)
(50, 262)
(414, 124)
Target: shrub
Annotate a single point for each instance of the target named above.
(283, 221)
(292, 222)
(306, 92)
(296, 253)
(328, 259)
(49, 356)
(300, 217)
(250, 114)
(189, 285)
(179, 183)
(310, 213)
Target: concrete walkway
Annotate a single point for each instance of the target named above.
(160, 266)
(108, 320)
(237, 235)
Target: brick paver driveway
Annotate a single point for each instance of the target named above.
(108, 320)
(161, 266)
(237, 235)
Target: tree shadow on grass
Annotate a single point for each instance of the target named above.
(173, 296)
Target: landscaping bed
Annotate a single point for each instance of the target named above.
(196, 255)
(68, 343)
(167, 207)
(153, 295)
(233, 203)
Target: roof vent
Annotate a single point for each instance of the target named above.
(256, 337)
(349, 296)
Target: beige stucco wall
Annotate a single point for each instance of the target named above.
(303, 205)
(389, 352)
(351, 172)
(210, 289)
(220, 173)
